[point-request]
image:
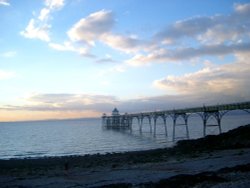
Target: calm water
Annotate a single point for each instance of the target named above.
(78, 137)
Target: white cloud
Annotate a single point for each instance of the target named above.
(242, 8)
(68, 46)
(36, 31)
(44, 14)
(38, 28)
(9, 54)
(54, 4)
(98, 27)
(127, 44)
(4, 2)
(6, 74)
(91, 28)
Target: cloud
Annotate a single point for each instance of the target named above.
(211, 30)
(39, 27)
(98, 26)
(106, 60)
(64, 102)
(68, 46)
(232, 79)
(44, 14)
(188, 53)
(8, 54)
(91, 28)
(6, 74)
(83, 35)
(197, 36)
(183, 40)
(73, 107)
(4, 3)
(37, 31)
(126, 44)
(65, 105)
(242, 8)
(54, 4)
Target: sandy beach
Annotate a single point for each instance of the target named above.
(213, 161)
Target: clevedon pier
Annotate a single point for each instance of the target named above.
(116, 120)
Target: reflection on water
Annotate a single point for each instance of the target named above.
(78, 137)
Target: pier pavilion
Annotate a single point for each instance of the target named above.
(116, 120)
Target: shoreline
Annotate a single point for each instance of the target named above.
(190, 156)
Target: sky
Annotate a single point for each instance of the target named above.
(81, 58)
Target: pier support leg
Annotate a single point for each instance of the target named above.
(218, 117)
(155, 118)
(187, 131)
(130, 123)
(165, 126)
(204, 126)
(149, 119)
(174, 124)
(219, 124)
(140, 124)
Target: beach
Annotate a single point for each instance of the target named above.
(214, 161)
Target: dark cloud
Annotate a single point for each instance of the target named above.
(106, 60)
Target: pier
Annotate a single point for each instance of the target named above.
(118, 121)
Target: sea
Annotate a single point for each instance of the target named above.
(35, 139)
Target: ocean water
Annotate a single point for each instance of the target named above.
(87, 136)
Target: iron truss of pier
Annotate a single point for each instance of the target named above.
(116, 120)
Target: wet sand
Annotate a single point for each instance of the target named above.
(222, 160)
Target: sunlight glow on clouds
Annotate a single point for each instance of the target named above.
(229, 78)
(64, 102)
